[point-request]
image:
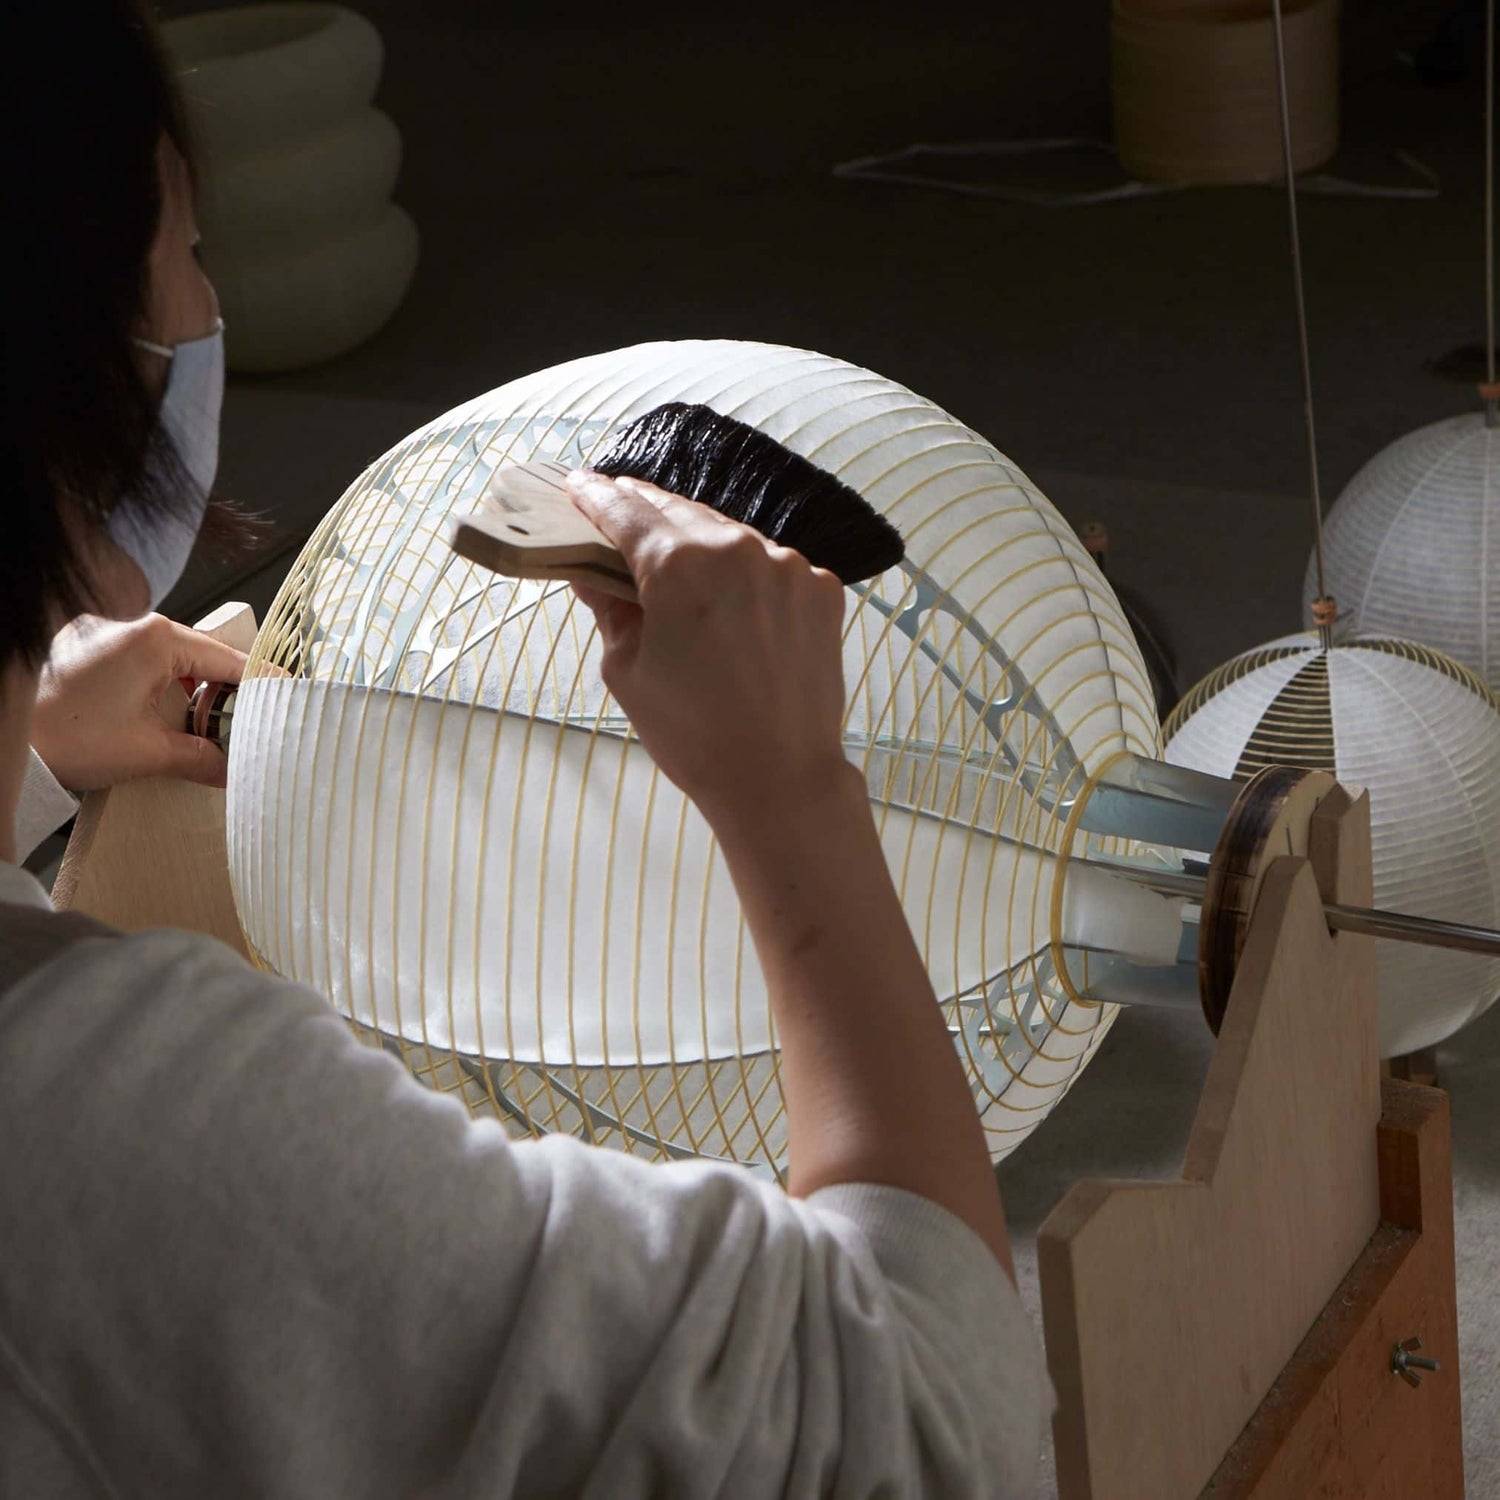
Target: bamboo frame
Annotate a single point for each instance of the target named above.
(376, 598)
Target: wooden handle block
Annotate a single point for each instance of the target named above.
(528, 527)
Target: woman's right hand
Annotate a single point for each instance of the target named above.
(731, 672)
(730, 667)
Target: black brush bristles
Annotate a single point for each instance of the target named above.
(749, 477)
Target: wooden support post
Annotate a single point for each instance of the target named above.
(151, 853)
(1340, 1421)
(1171, 1308)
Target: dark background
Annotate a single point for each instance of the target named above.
(587, 176)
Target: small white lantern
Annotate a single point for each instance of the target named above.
(1422, 734)
(1412, 546)
(307, 251)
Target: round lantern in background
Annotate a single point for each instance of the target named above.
(306, 249)
(1412, 546)
(1422, 734)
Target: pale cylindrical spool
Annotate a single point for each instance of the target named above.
(1194, 88)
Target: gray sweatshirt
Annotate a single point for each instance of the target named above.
(242, 1254)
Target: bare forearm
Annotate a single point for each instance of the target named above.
(731, 671)
(874, 1089)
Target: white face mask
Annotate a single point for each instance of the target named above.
(160, 545)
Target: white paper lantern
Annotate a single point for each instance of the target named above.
(1412, 546)
(1422, 734)
(441, 820)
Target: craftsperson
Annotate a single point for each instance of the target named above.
(242, 1254)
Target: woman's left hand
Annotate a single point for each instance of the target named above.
(110, 706)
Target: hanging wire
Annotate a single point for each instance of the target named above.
(1323, 606)
(1489, 394)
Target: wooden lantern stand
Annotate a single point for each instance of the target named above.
(1233, 1334)
(152, 853)
(1236, 1333)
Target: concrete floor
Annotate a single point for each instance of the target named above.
(585, 181)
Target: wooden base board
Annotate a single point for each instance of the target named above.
(1339, 1423)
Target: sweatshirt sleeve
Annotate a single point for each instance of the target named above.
(246, 1255)
(44, 806)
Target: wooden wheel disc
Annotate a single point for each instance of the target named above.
(1271, 817)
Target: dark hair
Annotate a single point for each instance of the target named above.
(85, 98)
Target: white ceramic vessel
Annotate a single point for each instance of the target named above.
(309, 254)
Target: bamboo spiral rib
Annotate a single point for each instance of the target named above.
(438, 816)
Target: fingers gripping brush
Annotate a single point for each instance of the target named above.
(528, 527)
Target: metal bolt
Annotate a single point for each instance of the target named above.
(1405, 1361)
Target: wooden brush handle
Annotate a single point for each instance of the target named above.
(528, 527)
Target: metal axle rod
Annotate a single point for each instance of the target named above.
(1400, 926)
